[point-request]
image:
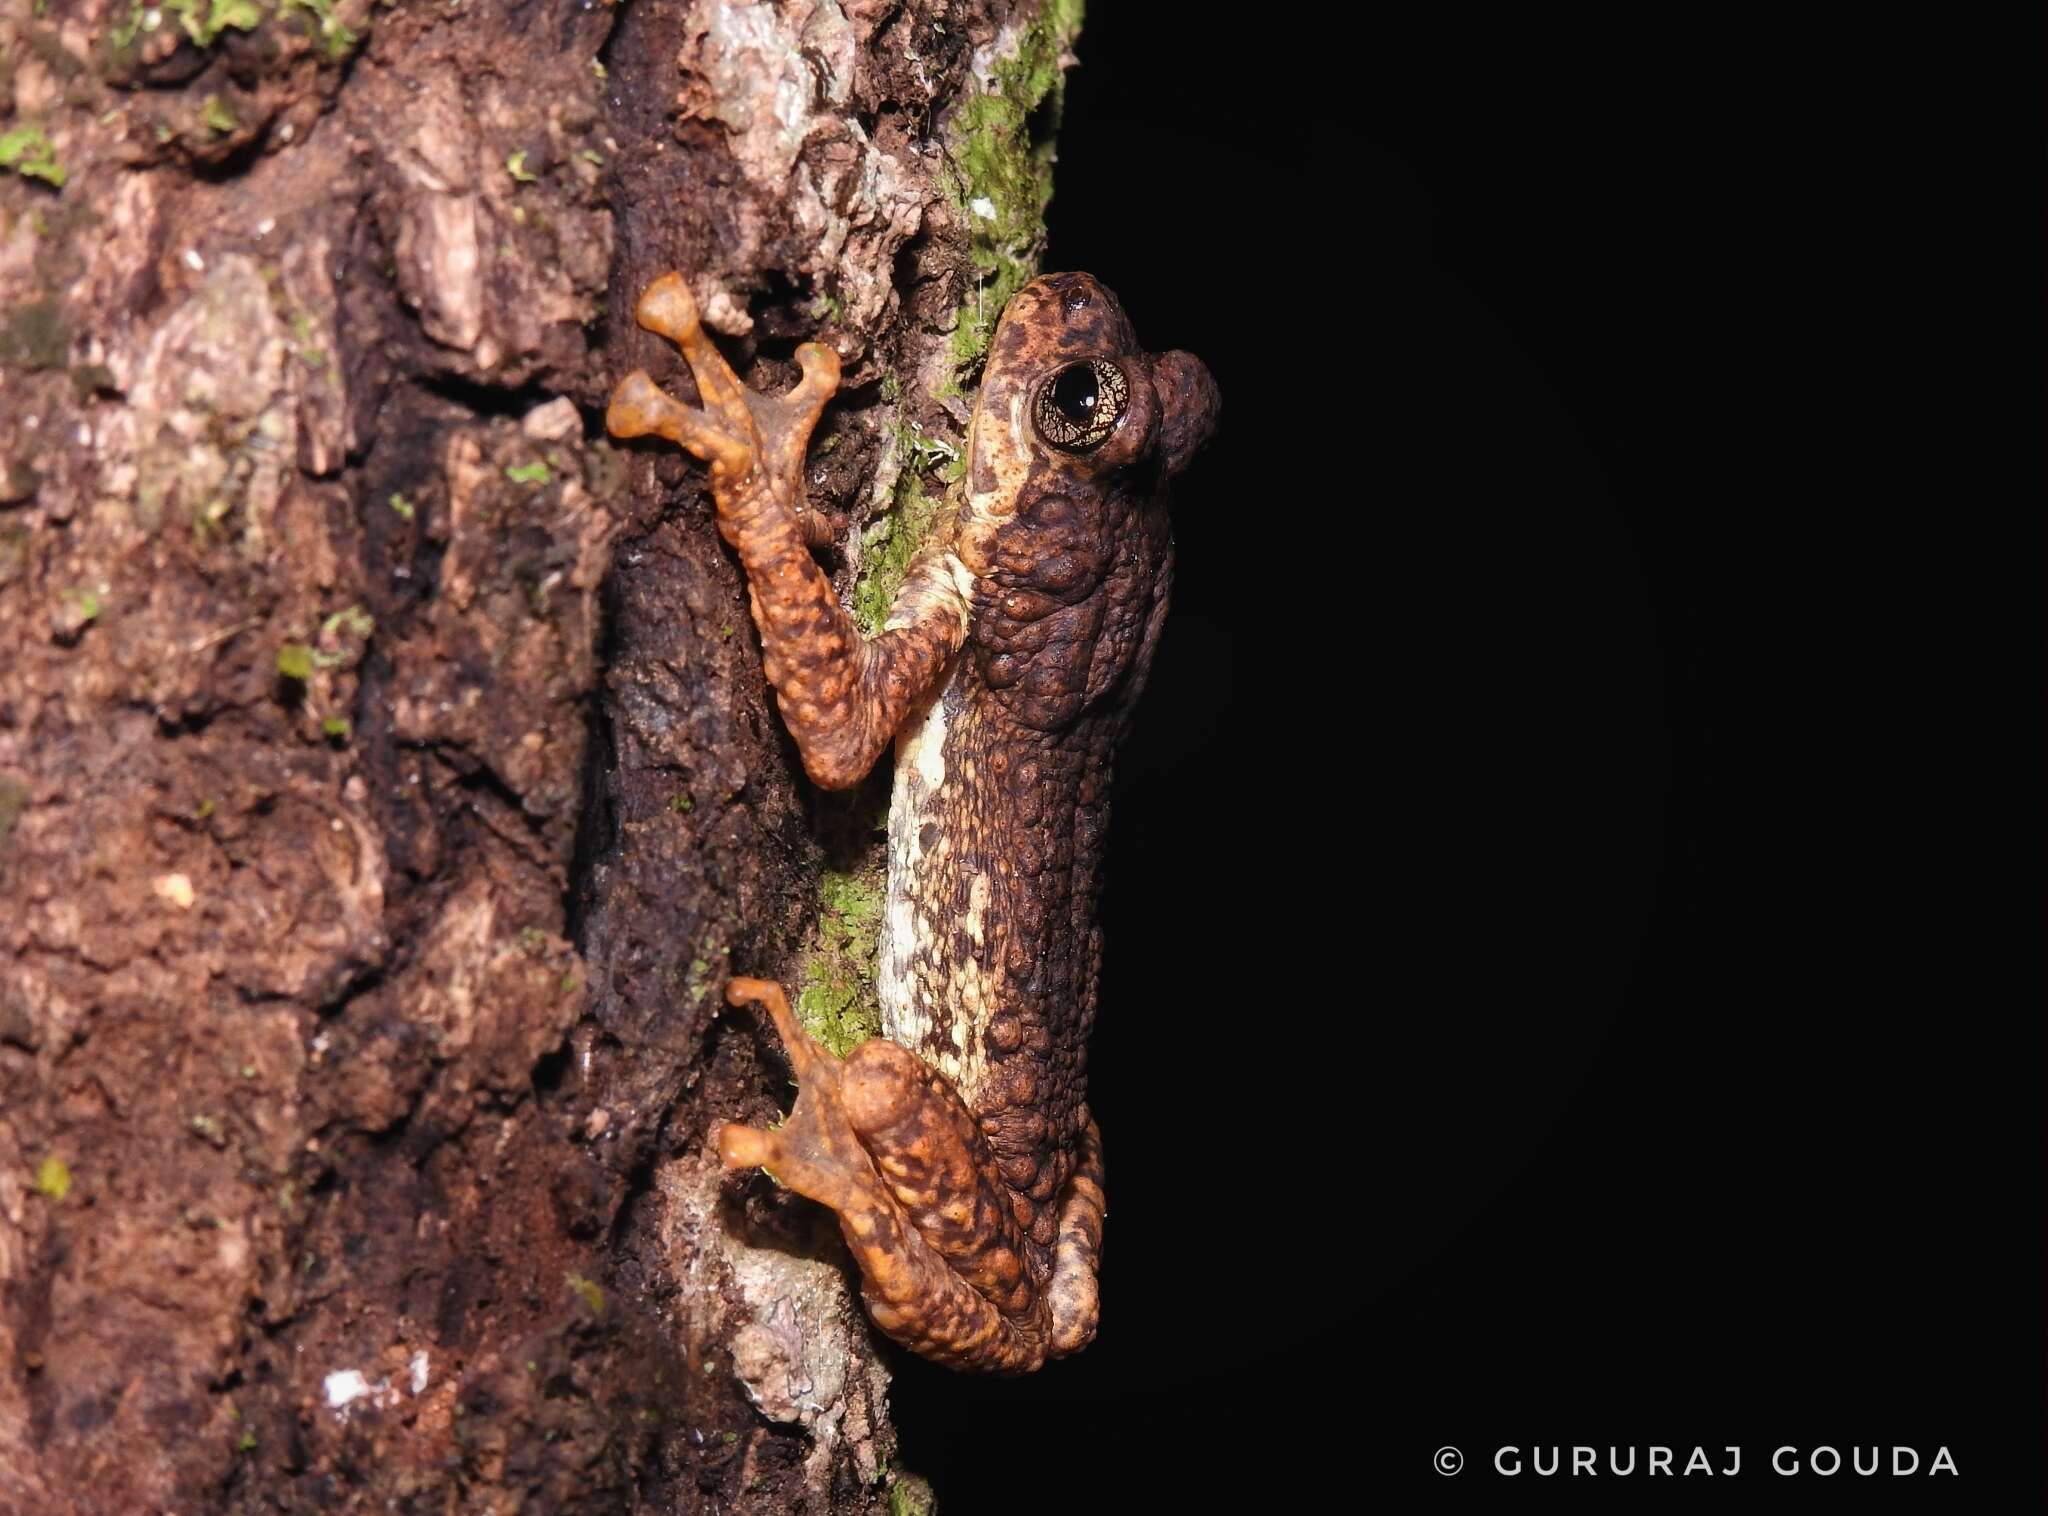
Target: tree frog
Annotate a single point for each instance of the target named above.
(957, 1148)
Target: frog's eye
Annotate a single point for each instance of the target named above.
(1081, 404)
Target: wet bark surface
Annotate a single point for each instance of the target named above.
(387, 778)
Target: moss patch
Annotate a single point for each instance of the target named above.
(999, 156)
(28, 152)
(911, 1496)
(53, 1178)
(203, 21)
(887, 547)
(836, 999)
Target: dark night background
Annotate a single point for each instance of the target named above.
(1558, 983)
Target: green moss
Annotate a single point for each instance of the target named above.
(295, 661)
(205, 20)
(53, 1178)
(400, 504)
(911, 1496)
(887, 548)
(353, 619)
(999, 154)
(216, 116)
(589, 1292)
(29, 153)
(36, 336)
(528, 473)
(836, 996)
(334, 35)
(892, 540)
(515, 165)
(698, 980)
(919, 450)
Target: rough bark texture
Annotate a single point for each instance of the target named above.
(387, 779)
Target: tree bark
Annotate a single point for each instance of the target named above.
(388, 782)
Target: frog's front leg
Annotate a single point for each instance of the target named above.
(887, 1143)
(842, 696)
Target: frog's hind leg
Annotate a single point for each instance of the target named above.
(888, 1144)
(813, 1152)
(1076, 1304)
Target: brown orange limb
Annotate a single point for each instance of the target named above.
(842, 696)
(886, 1142)
(1074, 1300)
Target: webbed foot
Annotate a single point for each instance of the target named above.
(887, 1143)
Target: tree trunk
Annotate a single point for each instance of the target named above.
(387, 779)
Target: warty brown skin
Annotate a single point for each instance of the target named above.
(957, 1148)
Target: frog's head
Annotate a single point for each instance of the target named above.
(1064, 526)
(1069, 396)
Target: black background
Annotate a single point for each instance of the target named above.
(1558, 984)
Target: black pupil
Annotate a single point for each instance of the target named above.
(1074, 394)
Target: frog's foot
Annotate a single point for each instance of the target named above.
(814, 1151)
(887, 1143)
(754, 443)
(1075, 1303)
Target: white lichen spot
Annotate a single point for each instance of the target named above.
(193, 261)
(419, 1372)
(983, 207)
(177, 889)
(345, 1387)
(556, 421)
